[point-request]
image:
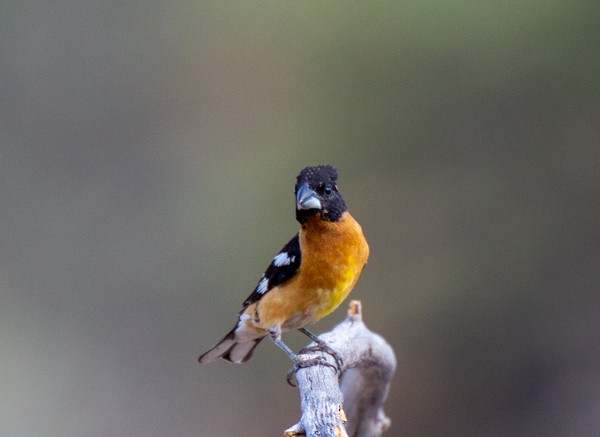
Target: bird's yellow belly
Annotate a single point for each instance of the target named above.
(329, 299)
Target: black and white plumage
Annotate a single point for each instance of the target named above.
(283, 267)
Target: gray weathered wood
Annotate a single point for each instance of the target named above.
(367, 369)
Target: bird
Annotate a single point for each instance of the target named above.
(308, 278)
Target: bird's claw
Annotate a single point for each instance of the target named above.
(313, 361)
(321, 346)
(302, 363)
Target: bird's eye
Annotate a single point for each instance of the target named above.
(328, 189)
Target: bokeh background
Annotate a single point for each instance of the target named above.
(148, 152)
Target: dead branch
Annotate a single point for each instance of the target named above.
(351, 406)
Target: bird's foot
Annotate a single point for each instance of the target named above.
(321, 346)
(302, 361)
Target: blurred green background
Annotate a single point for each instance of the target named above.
(148, 152)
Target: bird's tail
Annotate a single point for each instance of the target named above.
(230, 349)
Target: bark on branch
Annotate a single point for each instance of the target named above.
(351, 405)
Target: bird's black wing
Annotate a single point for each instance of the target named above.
(283, 267)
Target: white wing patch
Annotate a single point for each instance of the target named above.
(262, 286)
(283, 259)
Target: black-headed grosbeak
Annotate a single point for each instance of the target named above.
(311, 275)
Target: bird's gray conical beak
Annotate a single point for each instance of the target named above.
(307, 198)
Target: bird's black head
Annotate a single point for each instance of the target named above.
(317, 194)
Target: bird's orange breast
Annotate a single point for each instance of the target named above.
(333, 256)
